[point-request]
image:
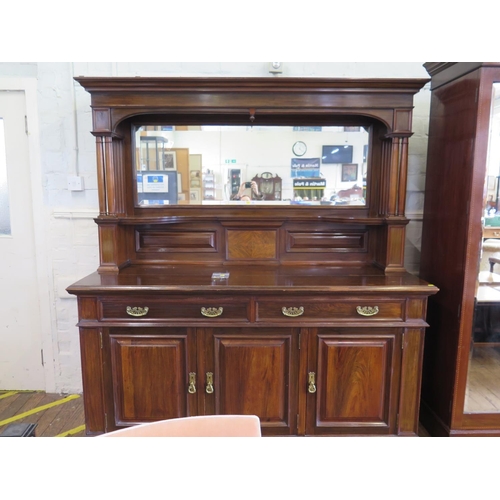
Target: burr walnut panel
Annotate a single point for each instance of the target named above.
(251, 244)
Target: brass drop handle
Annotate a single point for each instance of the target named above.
(312, 383)
(192, 383)
(211, 312)
(137, 311)
(367, 310)
(210, 383)
(292, 312)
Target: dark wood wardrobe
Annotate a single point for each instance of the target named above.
(461, 380)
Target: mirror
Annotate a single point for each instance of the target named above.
(483, 377)
(241, 165)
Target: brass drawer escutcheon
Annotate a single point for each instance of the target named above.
(367, 310)
(292, 312)
(137, 311)
(211, 312)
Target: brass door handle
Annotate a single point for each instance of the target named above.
(137, 311)
(211, 312)
(367, 310)
(292, 312)
(192, 383)
(312, 383)
(209, 389)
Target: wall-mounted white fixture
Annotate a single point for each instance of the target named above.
(75, 183)
(276, 67)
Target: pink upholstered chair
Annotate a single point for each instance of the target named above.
(205, 426)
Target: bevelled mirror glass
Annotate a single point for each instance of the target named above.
(240, 165)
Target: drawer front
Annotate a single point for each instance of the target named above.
(491, 232)
(181, 309)
(290, 309)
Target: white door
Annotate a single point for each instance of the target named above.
(20, 323)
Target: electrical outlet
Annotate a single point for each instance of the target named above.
(75, 183)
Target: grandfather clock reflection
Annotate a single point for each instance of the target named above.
(269, 185)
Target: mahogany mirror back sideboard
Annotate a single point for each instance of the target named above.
(251, 242)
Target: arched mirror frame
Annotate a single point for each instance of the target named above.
(268, 128)
(385, 105)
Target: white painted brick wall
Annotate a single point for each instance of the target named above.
(68, 148)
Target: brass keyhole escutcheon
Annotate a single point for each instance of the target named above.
(210, 383)
(192, 383)
(312, 383)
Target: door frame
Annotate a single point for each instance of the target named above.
(47, 317)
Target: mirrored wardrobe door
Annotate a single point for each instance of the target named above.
(482, 392)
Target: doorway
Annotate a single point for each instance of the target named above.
(21, 364)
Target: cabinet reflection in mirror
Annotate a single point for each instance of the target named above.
(211, 165)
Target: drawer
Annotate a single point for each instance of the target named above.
(491, 232)
(321, 310)
(140, 308)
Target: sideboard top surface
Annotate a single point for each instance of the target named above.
(287, 279)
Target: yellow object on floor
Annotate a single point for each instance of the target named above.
(76, 430)
(38, 409)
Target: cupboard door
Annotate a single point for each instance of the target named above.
(255, 373)
(352, 381)
(150, 373)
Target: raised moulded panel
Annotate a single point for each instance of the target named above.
(326, 241)
(161, 241)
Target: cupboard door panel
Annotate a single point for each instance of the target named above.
(255, 374)
(356, 387)
(150, 376)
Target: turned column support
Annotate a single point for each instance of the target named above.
(109, 149)
(110, 175)
(101, 175)
(395, 172)
(393, 200)
(114, 240)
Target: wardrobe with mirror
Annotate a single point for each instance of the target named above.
(251, 242)
(461, 251)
